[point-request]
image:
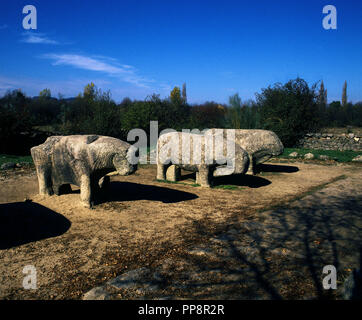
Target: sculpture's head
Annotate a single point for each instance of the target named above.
(126, 163)
(237, 162)
(272, 141)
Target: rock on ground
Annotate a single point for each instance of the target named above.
(358, 158)
(309, 156)
(323, 157)
(97, 293)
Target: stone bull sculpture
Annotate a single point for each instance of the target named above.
(200, 154)
(260, 145)
(82, 160)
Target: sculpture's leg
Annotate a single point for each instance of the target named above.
(173, 173)
(45, 185)
(198, 178)
(85, 190)
(252, 166)
(204, 176)
(161, 172)
(104, 182)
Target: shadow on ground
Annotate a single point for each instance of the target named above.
(276, 168)
(280, 255)
(24, 222)
(128, 191)
(247, 180)
(240, 180)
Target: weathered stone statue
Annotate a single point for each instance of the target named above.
(260, 145)
(82, 160)
(198, 153)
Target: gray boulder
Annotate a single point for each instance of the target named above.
(97, 293)
(358, 158)
(323, 157)
(309, 156)
(82, 160)
(191, 152)
(260, 145)
(294, 154)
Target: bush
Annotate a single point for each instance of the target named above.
(14, 122)
(207, 115)
(94, 113)
(290, 110)
(242, 115)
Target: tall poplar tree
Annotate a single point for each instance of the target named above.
(344, 94)
(183, 95)
(322, 104)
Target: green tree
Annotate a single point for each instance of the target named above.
(322, 104)
(175, 96)
(15, 119)
(45, 94)
(207, 115)
(184, 95)
(90, 91)
(344, 94)
(290, 110)
(235, 111)
(242, 115)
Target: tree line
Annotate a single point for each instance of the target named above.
(291, 110)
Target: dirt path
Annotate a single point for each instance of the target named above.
(144, 223)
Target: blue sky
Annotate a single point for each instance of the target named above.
(136, 48)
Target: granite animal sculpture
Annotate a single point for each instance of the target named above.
(200, 154)
(82, 160)
(260, 145)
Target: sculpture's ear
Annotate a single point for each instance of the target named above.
(118, 160)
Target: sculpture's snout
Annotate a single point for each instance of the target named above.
(132, 158)
(126, 164)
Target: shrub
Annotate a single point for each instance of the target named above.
(290, 110)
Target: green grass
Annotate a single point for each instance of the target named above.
(178, 182)
(340, 156)
(16, 159)
(227, 187)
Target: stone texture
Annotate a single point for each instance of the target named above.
(358, 158)
(173, 173)
(82, 160)
(323, 157)
(260, 145)
(329, 141)
(187, 151)
(309, 156)
(294, 154)
(98, 293)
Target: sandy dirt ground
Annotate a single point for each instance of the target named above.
(277, 229)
